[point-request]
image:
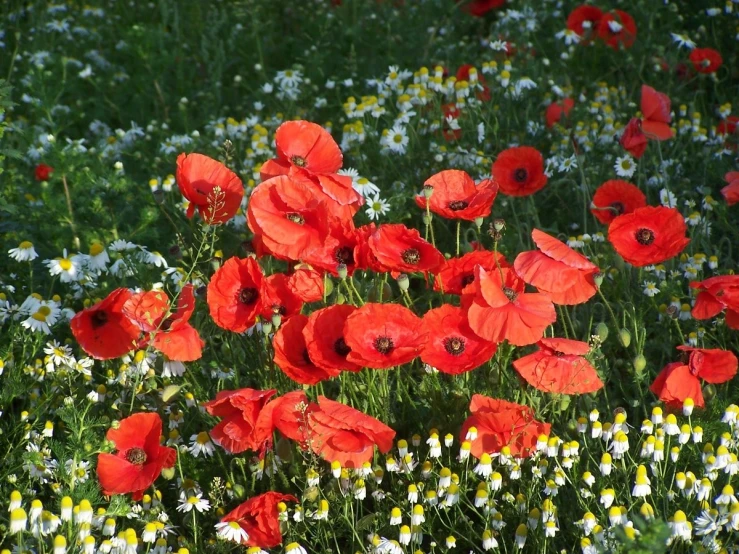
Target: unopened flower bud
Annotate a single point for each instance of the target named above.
(640, 362)
(602, 331)
(427, 219)
(624, 337)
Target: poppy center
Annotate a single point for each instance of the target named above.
(454, 345)
(248, 296)
(295, 218)
(166, 324)
(458, 205)
(618, 207)
(411, 256)
(510, 293)
(344, 255)
(520, 175)
(299, 161)
(467, 279)
(341, 348)
(137, 456)
(384, 345)
(306, 358)
(279, 309)
(98, 319)
(645, 236)
(558, 354)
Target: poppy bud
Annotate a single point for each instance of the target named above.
(564, 402)
(602, 331)
(640, 362)
(276, 320)
(403, 282)
(709, 391)
(624, 337)
(427, 219)
(266, 327)
(598, 279)
(115, 424)
(341, 270)
(239, 490)
(340, 299)
(168, 473)
(427, 191)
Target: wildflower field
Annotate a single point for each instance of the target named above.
(369, 276)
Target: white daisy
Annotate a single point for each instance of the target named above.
(187, 503)
(201, 444)
(231, 531)
(24, 253)
(66, 267)
(376, 207)
(625, 166)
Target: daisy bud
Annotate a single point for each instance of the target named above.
(688, 406)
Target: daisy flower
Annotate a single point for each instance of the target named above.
(376, 207)
(201, 444)
(231, 531)
(625, 166)
(24, 253)
(187, 503)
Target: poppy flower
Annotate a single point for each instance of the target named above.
(557, 111)
(519, 171)
(103, 330)
(479, 8)
(728, 125)
(339, 433)
(566, 276)
(500, 423)
(559, 367)
(681, 380)
(451, 345)
(731, 191)
(456, 196)
(398, 248)
(306, 283)
(324, 337)
(633, 140)
(383, 335)
(584, 20)
(648, 235)
(656, 116)
(259, 518)
(362, 257)
(617, 28)
(209, 186)
(499, 308)
(706, 60)
(278, 298)
(457, 273)
(139, 459)
(336, 247)
(288, 414)
(42, 172)
(291, 353)
(715, 295)
(614, 198)
(235, 294)
(241, 411)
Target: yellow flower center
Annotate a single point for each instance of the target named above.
(65, 264)
(96, 249)
(25, 245)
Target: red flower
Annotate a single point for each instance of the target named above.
(103, 331)
(728, 126)
(398, 248)
(43, 172)
(198, 176)
(324, 337)
(681, 380)
(563, 274)
(519, 171)
(633, 139)
(617, 28)
(242, 426)
(478, 8)
(288, 414)
(501, 310)
(614, 198)
(715, 295)
(455, 196)
(559, 367)
(731, 191)
(463, 74)
(291, 353)
(500, 423)
(584, 20)
(235, 294)
(383, 335)
(557, 111)
(259, 518)
(648, 235)
(655, 108)
(457, 273)
(140, 458)
(342, 434)
(307, 284)
(706, 60)
(278, 298)
(451, 345)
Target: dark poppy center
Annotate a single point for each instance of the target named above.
(248, 296)
(411, 256)
(306, 358)
(137, 456)
(454, 345)
(341, 348)
(618, 207)
(98, 319)
(299, 161)
(558, 354)
(384, 345)
(520, 175)
(467, 279)
(645, 236)
(458, 205)
(510, 293)
(166, 324)
(295, 218)
(344, 255)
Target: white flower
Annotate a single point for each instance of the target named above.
(231, 531)
(650, 289)
(187, 503)
(625, 166)
(396, 139)
(667, 198)
(66, 267)
(201, 444)
(376, 207)
(682, 40)
(24, 253)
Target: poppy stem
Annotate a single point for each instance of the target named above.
(459, 228)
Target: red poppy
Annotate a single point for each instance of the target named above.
(633, 139)
(499, 309)
(259, 518)
(648, 235)
(198, 177)
(43, 172)
(706, 60)
(383, 335)
(617, 28)
(681, 380)
(362, 257)
(288, 414)
(656, 116)
(500, 423)
(519, 171)
(584, 20)
(278, 298)
(457, 273)
(731, 191)
(324, 337)
(240, 428)
(478, 8)
(451, 345)
(342, 434)
(564, 275)
(306, 283)
(557, 111)
(140, 457)
(463, 74)
(614, 198)
(559, 367)
(337, 247)
(291, 353)
(715, 295)
(728, 126)
(398, 248)
(103, 330)
(456, 196)
(235, 294)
